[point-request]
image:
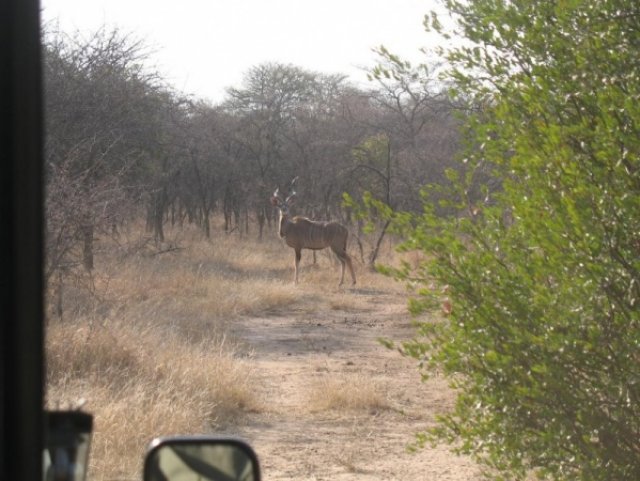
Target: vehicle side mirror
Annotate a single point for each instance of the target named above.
(207, 458)
(67, 441)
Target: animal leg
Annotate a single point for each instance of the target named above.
(344, 258)
(296, 264)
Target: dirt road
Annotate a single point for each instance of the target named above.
(322, 352)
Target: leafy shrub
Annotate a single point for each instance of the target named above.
(541, 275)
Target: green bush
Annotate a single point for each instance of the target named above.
(543, 272)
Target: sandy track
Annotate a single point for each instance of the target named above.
(295, 351)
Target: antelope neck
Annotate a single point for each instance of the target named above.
(284, 219)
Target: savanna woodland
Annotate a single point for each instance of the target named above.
(507, 174)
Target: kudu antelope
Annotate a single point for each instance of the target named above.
(302, 233)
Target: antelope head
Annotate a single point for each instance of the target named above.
(283, 203)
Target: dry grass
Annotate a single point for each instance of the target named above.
(140, 383)
(347, 392)
(144, 339)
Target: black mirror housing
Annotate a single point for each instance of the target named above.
(210, 458)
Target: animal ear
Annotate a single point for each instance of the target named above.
(291, 199)
(275, 198)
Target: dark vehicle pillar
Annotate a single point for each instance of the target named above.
(21, 329)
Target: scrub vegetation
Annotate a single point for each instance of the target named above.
(195, 336)
(539, 270)
(507, 174)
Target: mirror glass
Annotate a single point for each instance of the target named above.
(201, 460)
(67, 441)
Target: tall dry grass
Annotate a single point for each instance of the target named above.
(140, 383)
(347, 392)
(145, 341)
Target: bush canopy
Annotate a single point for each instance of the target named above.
(539, 271)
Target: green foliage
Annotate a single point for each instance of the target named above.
(372, 163)
(543, 338)
(395, 69)
(369, 210)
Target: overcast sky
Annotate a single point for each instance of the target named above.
(204, 46)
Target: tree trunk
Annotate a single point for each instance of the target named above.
(376, 250)
(158, 205)
(261, 219)
(87, 245)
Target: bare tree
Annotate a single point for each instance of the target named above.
(417, 116)
(267, 106)
(101, 139)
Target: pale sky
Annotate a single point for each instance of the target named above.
(204, 46)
